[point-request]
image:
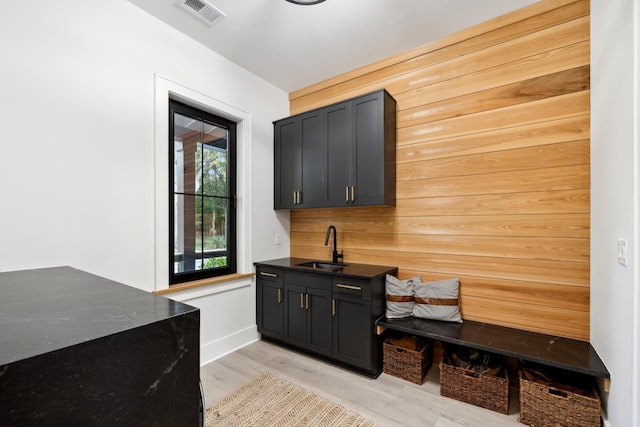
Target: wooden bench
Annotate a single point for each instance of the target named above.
(564, 353)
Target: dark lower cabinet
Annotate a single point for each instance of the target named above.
(295, 319)
(352, 335)
(270, 307)
(308, 318)
(324, 314)
(319, 322)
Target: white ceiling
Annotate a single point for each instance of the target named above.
(294, 46)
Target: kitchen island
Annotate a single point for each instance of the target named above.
(78, 350)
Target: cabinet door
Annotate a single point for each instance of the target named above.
(360, 136)
(339, 153)
(313, 160)
(287, 162)
(295, 315)
(368, 166)
(270, 309)
(319, 330)
(352, 331)
(299, 155)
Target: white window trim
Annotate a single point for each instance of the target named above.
(165, 89)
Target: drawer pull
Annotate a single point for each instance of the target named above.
(262, 273)
(353, 288)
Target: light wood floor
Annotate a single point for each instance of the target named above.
(388, 400)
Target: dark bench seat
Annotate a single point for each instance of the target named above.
(564, 353)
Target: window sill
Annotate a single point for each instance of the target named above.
(204, 282)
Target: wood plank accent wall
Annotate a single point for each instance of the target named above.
(492, 169)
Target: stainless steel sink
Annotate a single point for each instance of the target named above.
(323, 265)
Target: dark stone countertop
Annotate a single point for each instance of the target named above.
(353, 270)
(44, 310)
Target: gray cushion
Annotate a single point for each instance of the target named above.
(399, 295)
(437, 300)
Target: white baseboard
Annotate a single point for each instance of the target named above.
(221, 347)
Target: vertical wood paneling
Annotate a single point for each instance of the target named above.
(492, 169)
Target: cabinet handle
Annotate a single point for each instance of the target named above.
(346, 194)
(353, 288)
(301, 301)
(333, 307)
(262, 273)
(353, 191)
(298, 199)
(294, 198)
(307, 295)
(279, 296)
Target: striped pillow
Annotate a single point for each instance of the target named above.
(399, 296)
(437, 300)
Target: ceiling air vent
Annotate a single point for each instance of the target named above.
(204, 10)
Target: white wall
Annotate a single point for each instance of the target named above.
(77, 150)
(614, 202)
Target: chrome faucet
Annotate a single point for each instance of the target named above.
(336, 256)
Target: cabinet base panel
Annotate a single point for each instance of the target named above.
(369, 373)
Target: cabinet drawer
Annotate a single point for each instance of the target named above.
(269, 274)
(308, 280)
(355, 287)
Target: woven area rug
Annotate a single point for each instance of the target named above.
(272, 401)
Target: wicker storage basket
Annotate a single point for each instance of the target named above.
(466, 385)
(550, 403)
(408, 364)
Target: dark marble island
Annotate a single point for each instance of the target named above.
(78, 350)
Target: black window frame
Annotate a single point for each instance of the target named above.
(231, 251)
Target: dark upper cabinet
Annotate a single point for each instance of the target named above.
(299, 161)
(361, 156)
(339, 155)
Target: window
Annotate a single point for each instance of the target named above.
(202, 216)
